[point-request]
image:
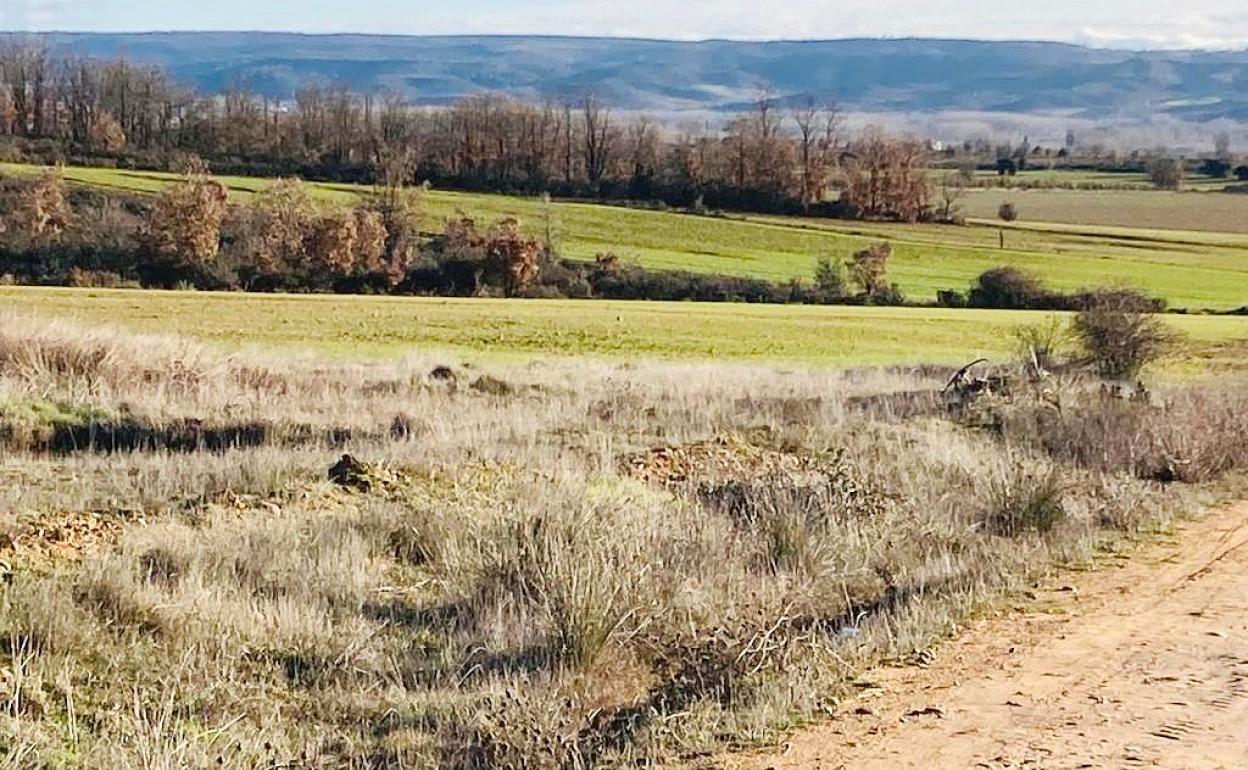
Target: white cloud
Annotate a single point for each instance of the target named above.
(31, 14)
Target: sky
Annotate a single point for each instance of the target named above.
(1102, 23)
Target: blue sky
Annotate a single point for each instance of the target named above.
(1110, 23)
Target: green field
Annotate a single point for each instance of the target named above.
(355, 326)
(1192, 268)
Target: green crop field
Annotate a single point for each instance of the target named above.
(1191, 268)
(390, 326)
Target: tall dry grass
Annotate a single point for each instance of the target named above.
(527, 583)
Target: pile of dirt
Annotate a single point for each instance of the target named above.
(63, 535)
(724, 458)
(741, 477)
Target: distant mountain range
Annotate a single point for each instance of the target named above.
(910, 75)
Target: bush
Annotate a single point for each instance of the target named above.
(1042, 344)
(1024, 499)
(1120, 334)
(1167, 173)
(1010, 288)
(869, 269)
(830, 276)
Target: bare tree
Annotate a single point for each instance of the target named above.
(818, 128)
(597, 139)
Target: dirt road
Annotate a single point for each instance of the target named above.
(1142, 665)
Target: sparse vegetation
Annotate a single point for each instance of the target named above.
(623, 571)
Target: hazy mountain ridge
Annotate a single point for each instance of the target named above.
(905, 75)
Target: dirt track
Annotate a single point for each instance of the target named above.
(1143, 665)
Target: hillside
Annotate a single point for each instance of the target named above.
(907, 75)
(1193, 268)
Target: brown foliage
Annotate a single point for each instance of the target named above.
(887, 178)
(43, 212)
(186, 220)
(514, 256)
(106, 133)
(869, 269)
(332, 245)
(370, 239)
(282, 216)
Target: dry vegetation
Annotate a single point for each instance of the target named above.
(557, 565)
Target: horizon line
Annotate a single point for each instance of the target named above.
(634, 38)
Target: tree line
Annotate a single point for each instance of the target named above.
(769, 158)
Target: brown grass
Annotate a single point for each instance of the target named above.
(599, 564)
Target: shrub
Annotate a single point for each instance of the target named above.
(868, 269)
(1024, 499)
(1215, 168)
(281, 219)
(1167, 173)
(1120, 335)
(1041, 345)
(1010, 288)
(830, 276)
(186, 221)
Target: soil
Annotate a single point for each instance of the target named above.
(1142, 664)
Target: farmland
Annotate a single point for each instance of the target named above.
(1069, 244)
(353, 326)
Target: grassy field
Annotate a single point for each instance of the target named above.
(351, 326)
(1190, 268)
(529, 565)
(1087, 179)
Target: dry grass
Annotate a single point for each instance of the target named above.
(597, 565)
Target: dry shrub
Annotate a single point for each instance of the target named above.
(186, 219)
(1043, 346)
(57, 353)
(585, 569)
(1026, 498)
(1189, 435)
(511, 255)
(869, 269)
(370, 244)
(1121, 335)
(106, 132)
(42, 213)
(281, 215)
(332, 245)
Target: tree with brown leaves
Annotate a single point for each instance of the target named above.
(332, 245)
(186, 220)
(106, 133)
(282, 219)
(511, 255)
(869, 269)
(886, 178)
(44, 212)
